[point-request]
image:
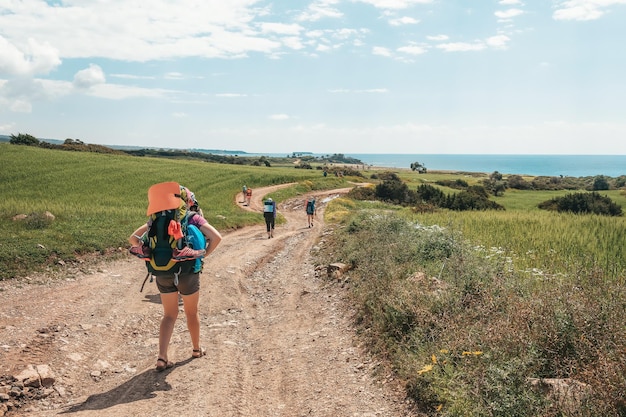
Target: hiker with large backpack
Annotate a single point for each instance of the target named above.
(269, 214)
(311, 210)
(172, 243)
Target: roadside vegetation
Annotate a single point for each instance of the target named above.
(488, 312)
(471, 307)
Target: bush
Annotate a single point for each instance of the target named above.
(395, 192)
(24, 139)
(583, 203)
(457, 184)
(362, 193)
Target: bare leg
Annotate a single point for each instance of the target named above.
(170, 314)
(190, 302)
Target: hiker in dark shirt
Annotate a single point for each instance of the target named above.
(269, 213)
(311, 210)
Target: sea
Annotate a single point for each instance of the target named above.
(535, 165)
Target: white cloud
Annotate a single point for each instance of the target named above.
(89, 77)
(132, 77)
(498, 41)
(230, 95)
(279, 116)
(394, 4)
(461, 46)
(405, 20)
(583, 9)
(437, 38)
(180, 115)
(508, 14)
(130, 31)
(323, 48)
(510, 2)
(120, 92)
(320, 10)
(293, 42)
(30, 58)
(281, 28)
(413, 50)
(381, 50)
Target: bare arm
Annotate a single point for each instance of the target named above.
(213, 237)
(135, 238)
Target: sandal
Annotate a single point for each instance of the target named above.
(165, 365)
(198, 353)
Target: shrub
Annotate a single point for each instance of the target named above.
(584, 203)
(362, 193)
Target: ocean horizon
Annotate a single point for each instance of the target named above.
(534, 165)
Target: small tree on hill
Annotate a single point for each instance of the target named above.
(24, 139)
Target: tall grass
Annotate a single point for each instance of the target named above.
(466, 330)
(98, 199)
(544, 243)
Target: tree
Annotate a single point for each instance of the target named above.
(24, 139)
(600, 183)
(419, 167)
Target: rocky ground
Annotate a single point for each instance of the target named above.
(278, 335)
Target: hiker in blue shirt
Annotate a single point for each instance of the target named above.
(269, 213)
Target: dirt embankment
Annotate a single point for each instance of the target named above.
(279, 338)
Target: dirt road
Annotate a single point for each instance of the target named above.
(279, 338)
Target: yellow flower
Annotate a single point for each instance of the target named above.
(434, 358)
(425, 369)
(439, 407)
(475, 353)
(444, 351)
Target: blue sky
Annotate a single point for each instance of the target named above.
(324, 76)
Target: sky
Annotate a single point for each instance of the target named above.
(321, 76)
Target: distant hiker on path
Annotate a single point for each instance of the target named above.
(310, 210)
(165, 243)
(248, 196)
(269, 213)
(243, 192)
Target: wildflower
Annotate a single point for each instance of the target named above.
(439, 407)
(434, 358)
(425, 369)
(474, 353)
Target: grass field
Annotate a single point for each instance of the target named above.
(99, 199)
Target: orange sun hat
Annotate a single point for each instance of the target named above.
(163, 196)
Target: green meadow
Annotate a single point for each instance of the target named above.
(99, 199)
(466, 309)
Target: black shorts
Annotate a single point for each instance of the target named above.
(187, 283)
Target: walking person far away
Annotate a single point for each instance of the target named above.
(166, 243)
(311, 210)
(269, 213)
(248, 196)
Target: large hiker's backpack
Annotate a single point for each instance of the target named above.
(169, 229)
(162, 243)
(310, 206)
